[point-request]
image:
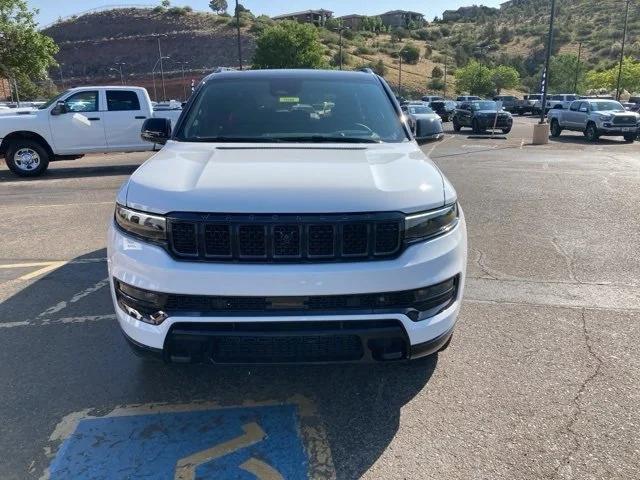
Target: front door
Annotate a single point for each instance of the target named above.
(80, 129)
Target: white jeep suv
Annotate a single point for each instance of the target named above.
(289, 217)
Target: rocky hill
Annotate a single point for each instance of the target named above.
(515, 34)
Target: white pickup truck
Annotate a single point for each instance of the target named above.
(78, 121)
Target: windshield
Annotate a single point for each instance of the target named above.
(294, 109)
(535, 97)
(486, 105)
(419, 110)
(607, 106)
(50, 102)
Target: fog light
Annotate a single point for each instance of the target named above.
(142, 305)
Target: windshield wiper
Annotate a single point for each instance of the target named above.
(326, 139)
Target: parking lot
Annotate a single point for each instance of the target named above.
(541, 379)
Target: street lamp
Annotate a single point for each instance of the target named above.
(119, 70)
(341, 29)
(61, 77)
(545, 85)
(184, 85)
(624, 36)
(160, 57)
(239, 38)
(153, 76)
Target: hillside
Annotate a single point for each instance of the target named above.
(90, 45)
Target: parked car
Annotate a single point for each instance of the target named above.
(431, 98)
(562, 102)
(480, 116)
(509, 102)
(596, 118)
(529, 104)
(78, 121)
(263, 235)
(424, 122)
(444, 108)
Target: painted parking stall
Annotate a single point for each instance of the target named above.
(266, 442)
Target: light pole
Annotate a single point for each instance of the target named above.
(239, 38)
(545, 86)
(400, 73)
(61, 77)
(184, 85)
(164, 92)
(446, 60)
(340, 29)
(575, 83)
(119, 70)
(153, 76)
(624, 37)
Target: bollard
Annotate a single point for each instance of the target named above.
(540, 134)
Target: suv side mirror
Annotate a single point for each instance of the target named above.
(60, 108)
(584, 109)
(156, 130)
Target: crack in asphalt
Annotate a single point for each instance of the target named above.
(569, 259)
(482, 266)
(578, 409)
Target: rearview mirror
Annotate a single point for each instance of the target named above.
(156, 130)
(60, 108)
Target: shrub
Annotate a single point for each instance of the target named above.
(410, 53)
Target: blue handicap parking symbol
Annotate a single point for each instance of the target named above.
(229, 443)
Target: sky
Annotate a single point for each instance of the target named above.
(51, 10)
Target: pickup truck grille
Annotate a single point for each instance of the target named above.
(625, 120)
(285, 238)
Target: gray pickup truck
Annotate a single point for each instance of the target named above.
(595, 118)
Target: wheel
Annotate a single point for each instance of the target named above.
(556, 130)
(456, 125)
(475, 126)
(27, 158)
(506, 130)
(591, 132)
(630, 137)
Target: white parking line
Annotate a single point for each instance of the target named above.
(46, 267)
(78, 296)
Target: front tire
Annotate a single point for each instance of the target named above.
(556, 130)
(475, 126)
(592, 132)
(506, 130)
(630, 138)
(27, 158)
(456, 125)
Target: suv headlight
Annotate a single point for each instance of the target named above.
(606, 118)
(147, 226)
(426, 225)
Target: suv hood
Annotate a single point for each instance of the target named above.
(291, 178)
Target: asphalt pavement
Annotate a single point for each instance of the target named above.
(541, 379)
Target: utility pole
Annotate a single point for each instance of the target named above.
(164, 91)
(400, 75)
(575, 84)
(624, 37)
(340, 29)
(545, 86)
(61, 77)
(239, 38)
(184, 85)
(446, 60)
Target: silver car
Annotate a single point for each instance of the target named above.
(424, 122)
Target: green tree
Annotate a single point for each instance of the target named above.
(608, 79)
(437, 72)
(410, 53)
(218, 6)
(24, 51)
(165, 3)
(504, 76)
(435, 84)
(289, 44)
(563, 68)
(474, 78)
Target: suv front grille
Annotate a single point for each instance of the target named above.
(285, 238)
(625, 120)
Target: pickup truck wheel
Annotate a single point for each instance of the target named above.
(556, 130)
(630, 137)
(456, 125)
(506, 130)
(475, 126)
(27, 158)
(591, 132)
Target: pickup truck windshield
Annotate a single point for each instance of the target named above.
(607, 107)
(292, 109)
(50, 102)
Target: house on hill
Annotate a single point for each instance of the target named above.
(353, 21)
(317, 17)
(402, 18)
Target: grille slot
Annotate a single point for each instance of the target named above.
(625, 120)
(184, 238)
(285, 238)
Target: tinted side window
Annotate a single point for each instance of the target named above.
(122, 100)
(575, 106)
(83, 102)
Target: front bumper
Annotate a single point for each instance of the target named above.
(607, 128)
(487, 122)
(150, 268)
